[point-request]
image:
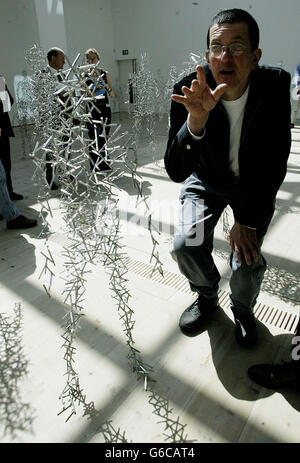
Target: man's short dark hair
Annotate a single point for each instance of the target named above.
(236, 15)
(53, 52)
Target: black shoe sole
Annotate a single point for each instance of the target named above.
(16, 198)
(22, 226)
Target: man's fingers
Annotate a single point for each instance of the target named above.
(244, 251)
(239, 254)
(195, 86)
(182, 98)
(187, 91)
(201, 75)
(247, 257)
(178, 98)
(249, 253)
(255, 251)
(199, 94)
(219, 90)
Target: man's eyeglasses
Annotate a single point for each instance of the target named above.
(235, 49)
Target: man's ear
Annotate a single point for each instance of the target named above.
(207, 57)
(256, 57)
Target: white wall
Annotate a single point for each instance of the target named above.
(73, 25)
(89, 24)
(169, 29)
(51, 24)
(18, 32)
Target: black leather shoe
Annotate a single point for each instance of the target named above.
(53, 186)
(15, 196)
(276, 376)
(51, 183)
(21, 222)
(192, 320)
(103, 167)
(245, 329)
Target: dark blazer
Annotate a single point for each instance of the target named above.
(5, 125)
(264, 147)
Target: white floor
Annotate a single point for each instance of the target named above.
(201, 391)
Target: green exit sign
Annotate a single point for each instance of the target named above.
(124, 52)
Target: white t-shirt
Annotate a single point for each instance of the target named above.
(235, 110)
(6, 106)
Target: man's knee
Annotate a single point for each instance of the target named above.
(185, 245)
(178, 247)
(256, 269)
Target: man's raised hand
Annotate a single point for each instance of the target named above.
(199, 100)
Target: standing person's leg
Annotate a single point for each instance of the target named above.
(192, 250)
(245, 283)
(97, 162)
(107, 124)
(193, 245)
(50, 172)
(6, 162)
(92, 146)
(106, 117)
(7, 208)
(65, 154)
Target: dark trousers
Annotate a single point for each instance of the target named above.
(96, 134)
(200, 209)
(6, 161)
(50, 169)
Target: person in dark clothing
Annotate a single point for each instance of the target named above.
(281, 375)
(217, 145)
(56, 62)
(101, 89)
(8, 211)
(6, 132)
